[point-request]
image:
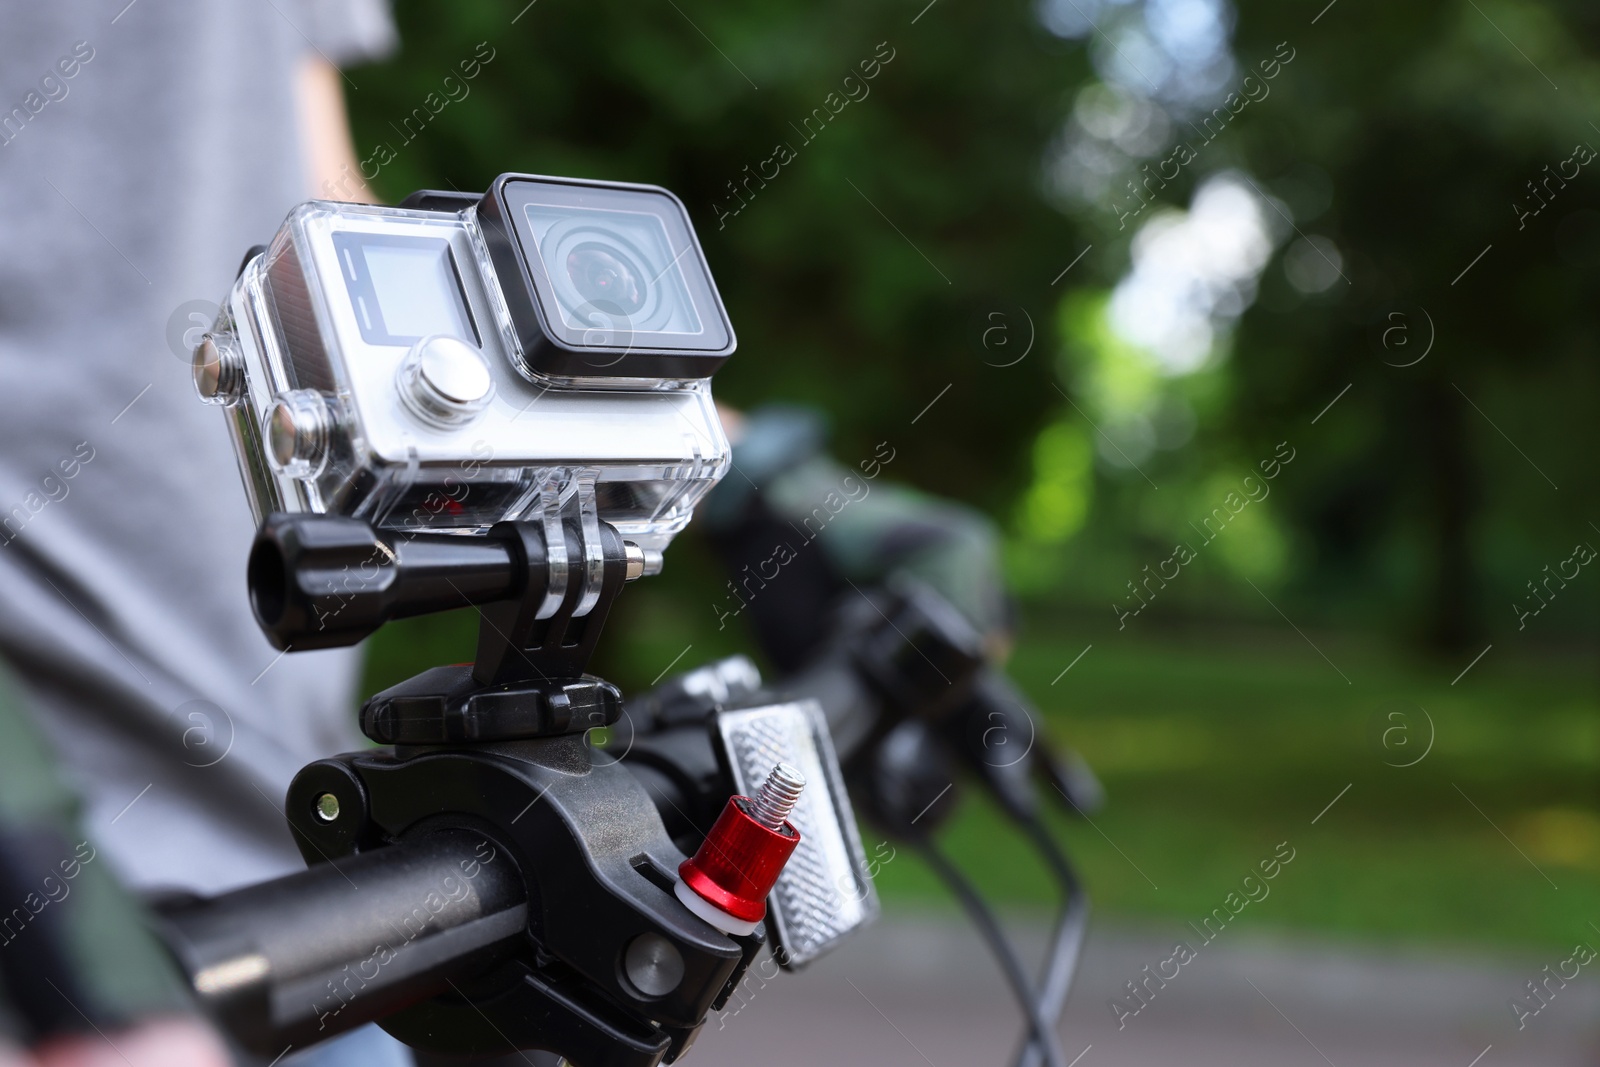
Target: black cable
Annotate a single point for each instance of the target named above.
(1061, 963)
(1043, 1035)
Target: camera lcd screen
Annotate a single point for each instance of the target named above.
(403, 288)
(616, 267)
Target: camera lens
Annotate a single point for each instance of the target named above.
(606, 278)
(612, 276)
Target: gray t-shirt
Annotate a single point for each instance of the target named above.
(143, 147)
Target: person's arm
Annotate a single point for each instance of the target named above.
(168, 1042)
(333, 168)
(83, 982)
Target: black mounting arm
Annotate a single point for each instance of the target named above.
(324, 581)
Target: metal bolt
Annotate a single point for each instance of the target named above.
(653, 964)
(327, 807)
(777, 796)
(635, 556)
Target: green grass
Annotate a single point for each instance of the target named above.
(1214, 749)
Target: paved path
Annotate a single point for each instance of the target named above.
(923, 993)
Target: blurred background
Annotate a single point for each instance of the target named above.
(1264, 331)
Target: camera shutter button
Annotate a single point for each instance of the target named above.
(445, 381)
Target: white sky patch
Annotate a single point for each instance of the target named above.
(1194, 273)
(1159, 62)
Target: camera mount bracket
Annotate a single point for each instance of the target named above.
(527, 679)
(496, 747)
(543, 590)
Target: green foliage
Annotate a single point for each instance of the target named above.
(1426, 128)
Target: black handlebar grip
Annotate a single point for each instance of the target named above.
(309, 955)
(324, 581)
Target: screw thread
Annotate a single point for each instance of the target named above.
(777, 796)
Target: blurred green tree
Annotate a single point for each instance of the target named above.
(1431, 490)
(1436, 247)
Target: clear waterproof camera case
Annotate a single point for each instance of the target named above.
(454, 362)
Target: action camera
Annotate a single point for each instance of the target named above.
(457, 361)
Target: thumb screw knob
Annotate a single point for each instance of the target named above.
(727, 880)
